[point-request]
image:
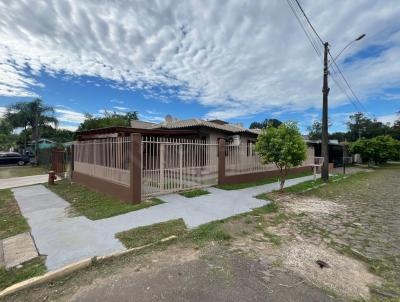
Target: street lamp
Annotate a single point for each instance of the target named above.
(325, 92)
(344, 48)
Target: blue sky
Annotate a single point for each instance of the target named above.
(233, 61)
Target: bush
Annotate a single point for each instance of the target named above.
(379, 149)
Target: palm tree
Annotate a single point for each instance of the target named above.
(17, 116)
(32, 114)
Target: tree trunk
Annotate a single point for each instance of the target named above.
(281, 184)
(282, 179)
(25, 140)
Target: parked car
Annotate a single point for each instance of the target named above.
(13, 158)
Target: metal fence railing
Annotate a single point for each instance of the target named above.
(171, 165)
(104, 158)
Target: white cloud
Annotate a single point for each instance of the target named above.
(120, 108)
(68, 127)
(390, 118)
(239, 58)
(3, 111)
(69, 116)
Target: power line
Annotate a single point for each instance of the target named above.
(312, 27)
(307, 33)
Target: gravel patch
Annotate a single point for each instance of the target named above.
(344, 275)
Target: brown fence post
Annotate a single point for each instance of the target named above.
(135, 167)
(221, 161)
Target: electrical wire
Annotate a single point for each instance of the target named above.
(354, 100)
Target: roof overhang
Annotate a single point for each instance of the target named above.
(126, 131)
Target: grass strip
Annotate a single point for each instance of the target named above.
(95, 205)
(11, 220)
(33, 268)
(260, 182)
(194, 193)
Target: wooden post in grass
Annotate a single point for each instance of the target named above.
(135, 167)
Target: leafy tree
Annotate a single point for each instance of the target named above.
(284, 146)
(378, 149)
(7, 138)
(110, 119)
(361, 126)
(260, 125)
(18, 117)
(46, 131)
(32, 114)
(315, 131)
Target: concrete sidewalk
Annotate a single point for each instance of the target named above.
(15, 182)
(67, 239)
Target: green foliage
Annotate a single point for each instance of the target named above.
(11, 221)
(315, 131)
(30, 269)
(284, 146)
(378, 149)
(33, 115)
(110, 119)
(152, 233)
(261, 125)
(361, 126)
(7, 137)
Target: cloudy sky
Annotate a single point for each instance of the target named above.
(235, 60)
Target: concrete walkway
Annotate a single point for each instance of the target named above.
(67, 239)
(15, 182)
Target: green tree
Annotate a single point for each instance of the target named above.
(32, 114)
(378, 149)
(361, 126)
(284, 146)
(110, 119)
(7, 137)
(260, 125)
(315, 131)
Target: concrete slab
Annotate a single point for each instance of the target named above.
(66, 239)
(18, 249)
(15, 182)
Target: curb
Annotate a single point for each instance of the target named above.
(66, 270)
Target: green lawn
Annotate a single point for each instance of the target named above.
(194, 193)
(15, 171)
(260, 182)
(95, 205)
(11, 220)
(30, 269)
(212, 231)
(311, 184)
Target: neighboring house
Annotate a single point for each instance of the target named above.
(43, 143)
(336, 150)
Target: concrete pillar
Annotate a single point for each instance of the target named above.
(135, 166)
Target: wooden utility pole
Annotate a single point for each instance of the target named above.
(325, 139)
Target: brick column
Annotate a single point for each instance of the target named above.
(221, 161)
(135, 167)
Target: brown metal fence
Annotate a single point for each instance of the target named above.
(59, 161)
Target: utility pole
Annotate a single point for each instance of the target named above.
(325, 141)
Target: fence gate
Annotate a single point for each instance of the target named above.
(172, 165)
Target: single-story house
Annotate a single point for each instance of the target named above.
(210, 131)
